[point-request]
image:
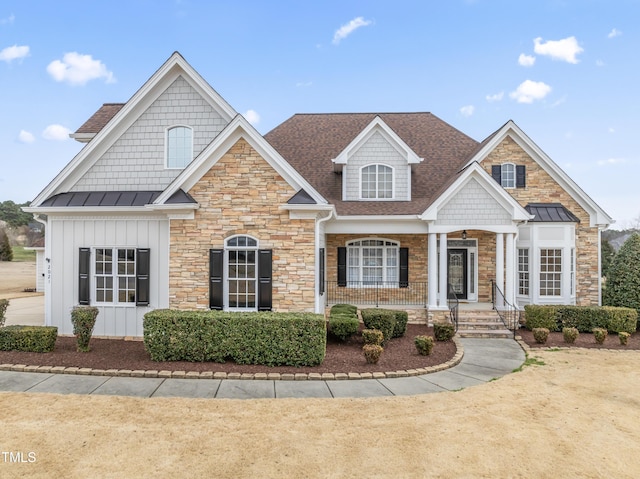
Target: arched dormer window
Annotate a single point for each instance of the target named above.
(179, 146)
(376, 182)
(508, 175)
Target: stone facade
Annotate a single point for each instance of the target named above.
(542, 188)
(241, 194)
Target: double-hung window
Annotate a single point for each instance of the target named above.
(551, 272)
(508, 175)
(179, 146)
(372, 262)
(115, 275)
(376, 182)
(523, 271)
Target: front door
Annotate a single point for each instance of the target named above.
(457, 271)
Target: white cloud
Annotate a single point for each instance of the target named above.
(13, 53)
(565, 49)
(56, 133)
(77, 69)
(526, 60)
(9, 20)
(612, 161)
(26, 137)
(304, 84)
(529, 91)
(467, 110)
(252, 117)
(495, 97)
(614, 33)
(347, 29)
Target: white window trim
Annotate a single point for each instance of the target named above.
(393, 182)
(166, 146)
(502, 176)
(386, 283)
(562, 272)
(527, 272)
(225, 272)
(94, 282)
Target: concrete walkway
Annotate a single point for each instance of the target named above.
(483, 360)
(27, 311)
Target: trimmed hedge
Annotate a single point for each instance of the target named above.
(402, 318)
(381, 319)
(583, 318)
(342, 326)
(344, 309)
(443, 331)
(272, 339)
(35, 339)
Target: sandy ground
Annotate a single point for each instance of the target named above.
(15, 276)
(578, 415)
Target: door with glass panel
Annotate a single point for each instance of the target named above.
(457, 271)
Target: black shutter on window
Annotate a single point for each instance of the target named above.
(342, 266)
(142, 276)
(216, 285)
(404, 267)
(496, 173)
(264, 280)
(322, 273)
(84, 267)
(521, 176)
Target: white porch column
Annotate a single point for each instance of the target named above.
(443, 271)
(433, 271)
(510, 280)
(500, 261)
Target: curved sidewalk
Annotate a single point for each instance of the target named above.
(483, 361)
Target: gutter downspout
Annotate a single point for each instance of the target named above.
(47, 268)
(319, 299)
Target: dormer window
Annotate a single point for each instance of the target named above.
(376, 182)
(179, 146)
(510, 175)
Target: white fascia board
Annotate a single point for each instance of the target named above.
(61, 210)
(82, 137)
(306, 207)
(174, 67)
(474, 170)
(512, 228)
(377, 124)
(376, 224)
(597, 215)
(174, 207)
(238, 128)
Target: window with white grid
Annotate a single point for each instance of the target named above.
(376, 182)
(550, 272)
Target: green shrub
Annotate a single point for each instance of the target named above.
(35, 339)
(6, 252)
(343, 326)
(541, 316)
(402, 318)
(600, 334)
(583, 318)
(4, 304)
(344, 309)
(540, 335)
(372, 336)
(623, 337)
(621, 319)
(570, 335)
(424, 344)
(83, 319)
(623, 277)
(372, 353)
(381, 319)
(443, 331)
(272, 339)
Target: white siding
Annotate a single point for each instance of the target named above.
(136, 161)
(376, 149)
(473, 205)
(68, 234)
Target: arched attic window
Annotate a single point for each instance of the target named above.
(179, 146)
(376, 182)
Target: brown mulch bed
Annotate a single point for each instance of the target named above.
(399, 354)
(584, 340)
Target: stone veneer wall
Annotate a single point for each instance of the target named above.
(542, 188)
(241, 194)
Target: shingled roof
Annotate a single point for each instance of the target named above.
(100, 118)
(310, 141)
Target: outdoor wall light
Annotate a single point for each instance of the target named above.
(464, 235)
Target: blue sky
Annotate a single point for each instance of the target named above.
(567, 72)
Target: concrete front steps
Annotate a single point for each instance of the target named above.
(481, 324)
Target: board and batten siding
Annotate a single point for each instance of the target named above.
(68, 234)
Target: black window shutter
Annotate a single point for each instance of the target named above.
(322, 273)
(404, 267)
(216, 285)
(264, 280)
(496, 173)
(84, 267)
(342, 266)
(142, 276)
(521, 176)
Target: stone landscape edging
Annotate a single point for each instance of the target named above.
(140, 373)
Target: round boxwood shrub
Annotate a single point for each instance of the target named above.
(343, 326)
(600, 334)
(381, 319)
(623, 337)
(372, 353)
(570, 335)
(424, 344)
(372, 336)
(540, 335)
(443, 331)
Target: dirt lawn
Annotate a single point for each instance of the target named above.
(15, 276)
(578, 415)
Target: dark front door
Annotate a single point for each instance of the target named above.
(457, 271)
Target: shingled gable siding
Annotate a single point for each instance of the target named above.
(136, 161)
(541, 188)
(376, 150)
(473, 204)
(241, 194)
